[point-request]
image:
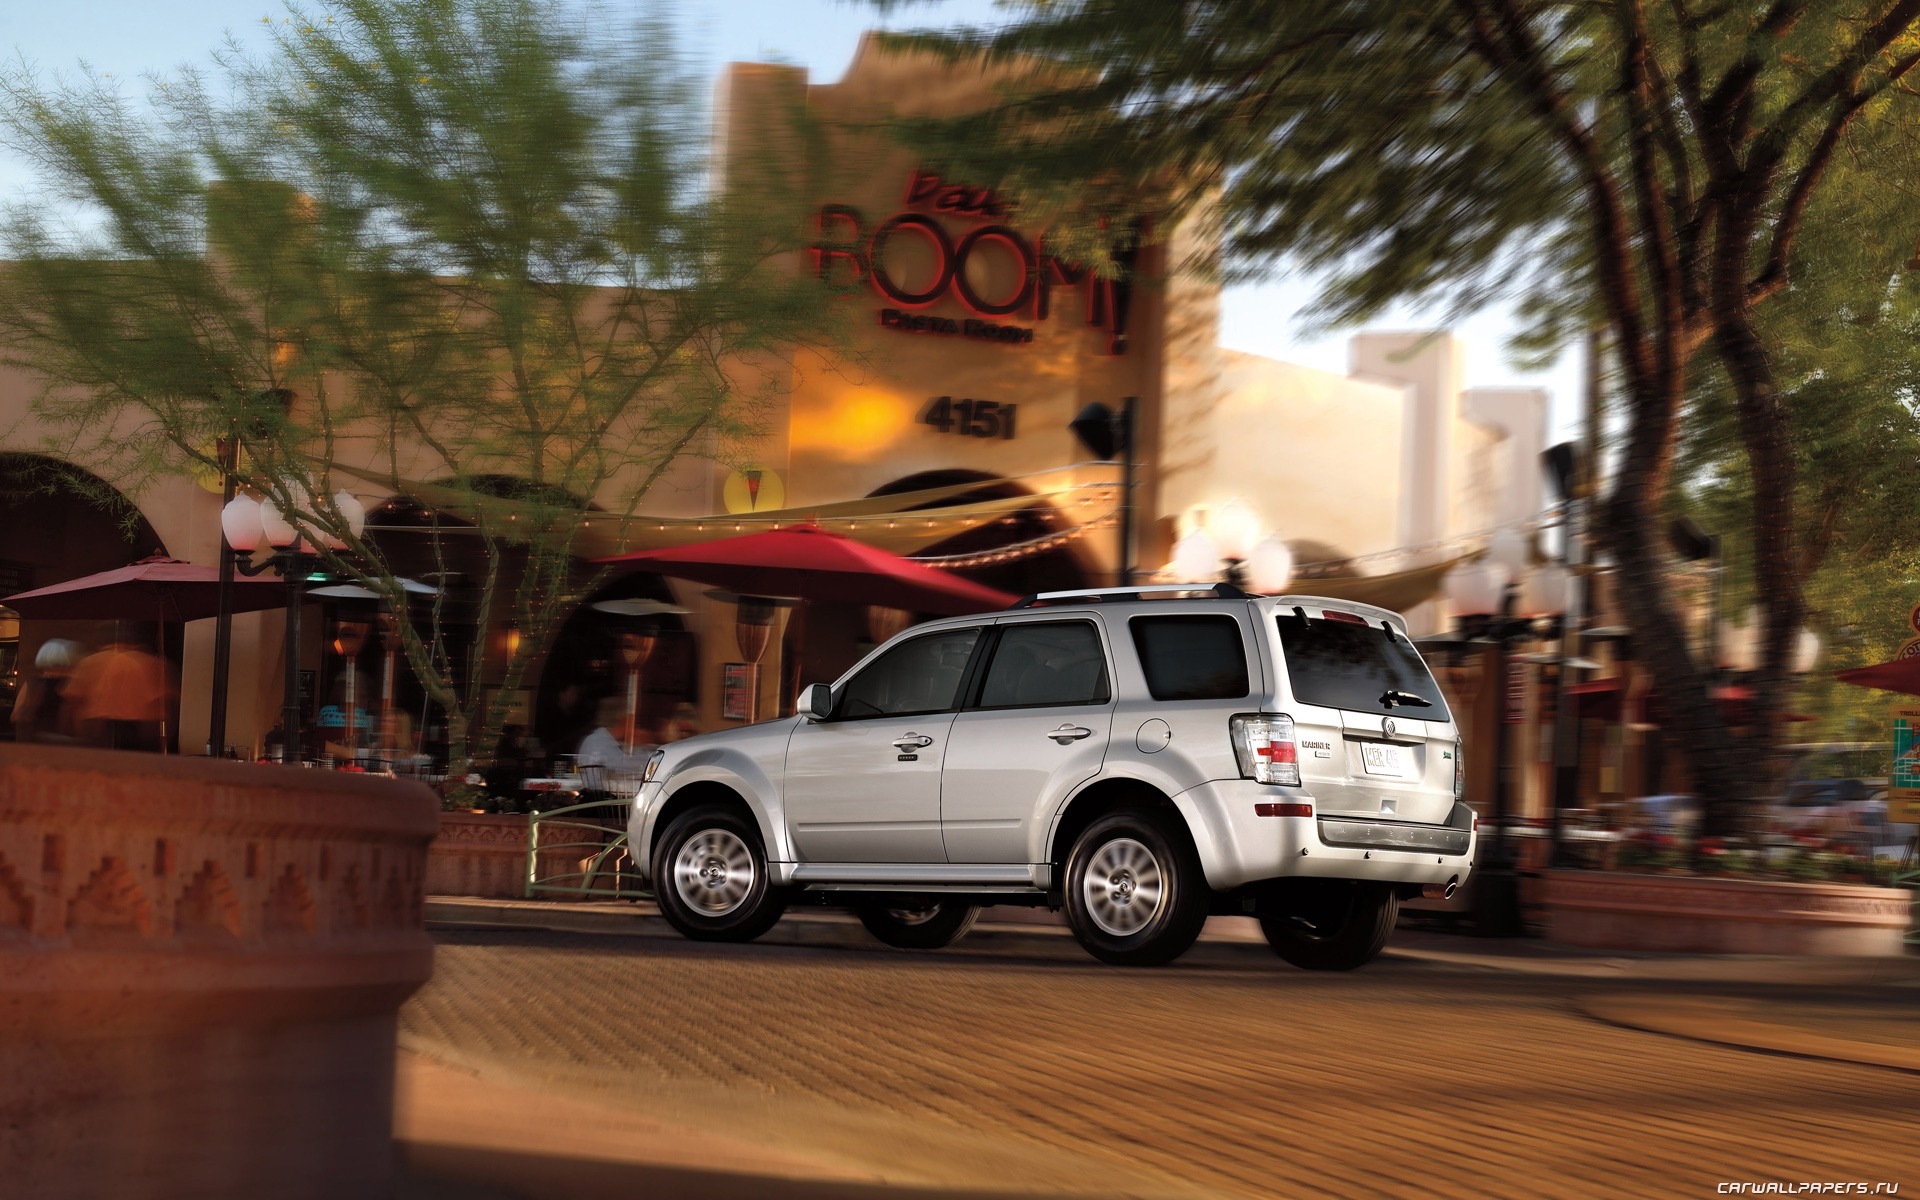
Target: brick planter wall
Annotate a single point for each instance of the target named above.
(200, 966)
(479, 854)
(485, 854)
(1706, 915)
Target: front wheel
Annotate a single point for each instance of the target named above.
(710, 877)
(1330, 924)
(923, 926)
(1135, 892)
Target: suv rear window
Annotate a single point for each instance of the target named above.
(1346, 665)
(1191, 657)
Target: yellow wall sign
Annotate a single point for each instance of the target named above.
(752, 490)
(1903, 787)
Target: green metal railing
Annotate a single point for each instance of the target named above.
(581, 850)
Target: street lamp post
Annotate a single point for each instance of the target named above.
(246, 523)
(1108, 433)
(223, 620)
(1570, 467)
(1483, 595)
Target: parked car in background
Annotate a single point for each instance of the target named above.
(1672, 814)
(1141, 757)
(1837, 793)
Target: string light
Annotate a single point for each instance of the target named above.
(1012, 553)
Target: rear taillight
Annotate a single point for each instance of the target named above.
(1459, 770)
(1264, 745)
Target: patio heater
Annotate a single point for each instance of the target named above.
(635, 648)
(753, 622)
(349, 637)
(247, 523)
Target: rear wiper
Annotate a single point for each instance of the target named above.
(1394, 696)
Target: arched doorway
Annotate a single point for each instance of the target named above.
(448, 553)
(1022, 552)
(59, 522)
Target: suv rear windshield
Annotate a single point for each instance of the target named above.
(1340, 664)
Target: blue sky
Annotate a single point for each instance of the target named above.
(127, 38)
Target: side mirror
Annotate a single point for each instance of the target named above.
(816, 703)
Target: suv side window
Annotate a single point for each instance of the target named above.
(1192, 657)
(1040, 663)
(922, 675)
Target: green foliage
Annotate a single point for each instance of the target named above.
(1846, 341)
(442, 240)
(1664, 171)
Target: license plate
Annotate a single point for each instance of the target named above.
(1380, 758)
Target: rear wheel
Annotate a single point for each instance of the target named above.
(710, 877)
(931, 925)
(1330, 924)
(1135, 892)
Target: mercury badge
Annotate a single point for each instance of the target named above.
(1387, 727)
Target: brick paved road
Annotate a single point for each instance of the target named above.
(1056, 1074)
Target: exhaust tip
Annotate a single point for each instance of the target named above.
(1441, 891)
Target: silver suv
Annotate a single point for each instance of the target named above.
(1142, 757)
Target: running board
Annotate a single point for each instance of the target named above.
(898, 877)
(958, 889)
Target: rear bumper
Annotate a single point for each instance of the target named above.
(1238, 847)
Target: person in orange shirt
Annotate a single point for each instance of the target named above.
(120, 696)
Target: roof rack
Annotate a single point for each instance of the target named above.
(1219, 591)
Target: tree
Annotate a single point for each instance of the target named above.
(1846, 345)
(1644, 167)
(452, 240)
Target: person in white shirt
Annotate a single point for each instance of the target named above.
(604, 759)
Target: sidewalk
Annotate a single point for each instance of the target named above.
(475, 1135)
(474, 1126)
(1226, 942)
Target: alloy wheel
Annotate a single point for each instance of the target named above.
(714, 872)
(1123, 886)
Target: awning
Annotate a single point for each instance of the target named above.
(1598, 698)
(1900, 675)
(1397, 592)
(892, 523)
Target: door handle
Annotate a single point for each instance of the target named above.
(912, 741)
(1069, 733)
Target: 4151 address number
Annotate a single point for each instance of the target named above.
(970, 418)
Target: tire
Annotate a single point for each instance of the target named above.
(925, 926)
(1330, 924)
(710, 877)
(1136, 896)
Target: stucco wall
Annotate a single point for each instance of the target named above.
(1314, 454)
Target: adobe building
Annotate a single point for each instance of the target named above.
(972, 350)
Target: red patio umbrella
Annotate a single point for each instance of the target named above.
(153, 589)
(817, 564)
(1900, 675)
(157, 589)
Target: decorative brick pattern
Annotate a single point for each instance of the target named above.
(195, 958)
(115, 867)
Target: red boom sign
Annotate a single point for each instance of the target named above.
(844, 242)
